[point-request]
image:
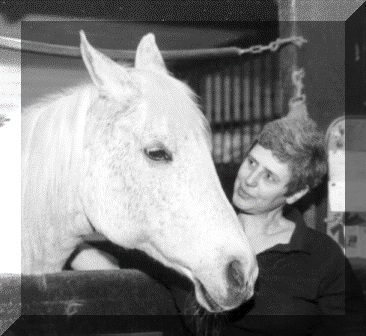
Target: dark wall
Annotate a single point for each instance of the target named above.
(355, 76)
(323, 59)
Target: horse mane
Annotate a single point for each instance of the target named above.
(52, 134)
(52, 141)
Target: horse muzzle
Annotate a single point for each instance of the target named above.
(239, 289)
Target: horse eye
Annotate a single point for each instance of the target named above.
(158, 154)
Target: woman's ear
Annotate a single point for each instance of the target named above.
(296, 196)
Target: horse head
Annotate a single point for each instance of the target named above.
(149, 181)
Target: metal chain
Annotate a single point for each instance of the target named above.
(3, 119)
(274, 45)
(297, 81)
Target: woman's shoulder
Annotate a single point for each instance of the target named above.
(315, 241)
(321, 238)
(323, 247)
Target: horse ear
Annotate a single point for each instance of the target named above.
(108, 76)
(148, 54)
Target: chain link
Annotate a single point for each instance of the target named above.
(297, 81)
(274, 45)
(3, 119)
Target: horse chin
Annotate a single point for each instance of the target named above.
(205, 299)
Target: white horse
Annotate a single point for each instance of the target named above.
(128, 155)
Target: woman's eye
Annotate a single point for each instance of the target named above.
(251, 162)
(158, 154)
(270, 177)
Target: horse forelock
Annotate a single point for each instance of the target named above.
(173, 101)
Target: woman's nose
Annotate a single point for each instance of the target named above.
(252, 179)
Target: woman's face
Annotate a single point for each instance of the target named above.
(261, 183)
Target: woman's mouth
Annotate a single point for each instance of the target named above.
(243, 194)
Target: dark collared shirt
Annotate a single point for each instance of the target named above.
(306, 287)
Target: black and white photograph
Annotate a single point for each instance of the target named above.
(184, 168)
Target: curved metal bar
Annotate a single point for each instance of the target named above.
(129, 55)
(70, 51)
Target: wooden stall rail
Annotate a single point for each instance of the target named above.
(126, 302)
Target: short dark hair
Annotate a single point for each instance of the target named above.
(299, 143)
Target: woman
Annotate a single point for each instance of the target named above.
(305, 285)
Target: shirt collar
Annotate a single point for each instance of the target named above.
(299, 236)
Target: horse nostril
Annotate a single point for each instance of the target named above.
(235, 275)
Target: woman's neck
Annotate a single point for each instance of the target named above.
(262, 223)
